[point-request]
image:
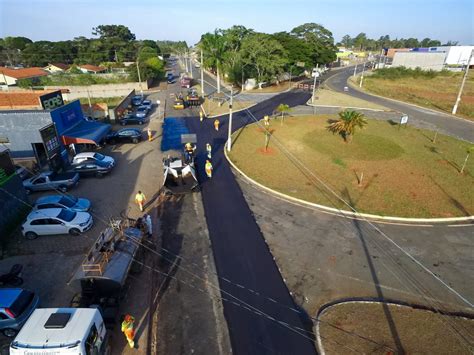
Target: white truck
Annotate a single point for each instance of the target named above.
(62, 331)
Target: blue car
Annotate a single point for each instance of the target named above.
(16, 306)
(132, 118)
(137, 100)
(63, 201)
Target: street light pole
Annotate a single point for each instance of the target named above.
(362, 76)
(229, 137)
(316, 74)
(139, 77)
(202, 76)
(458, 99)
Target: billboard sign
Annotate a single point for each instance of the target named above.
(67, 116)
(50, 140)
(52, 100)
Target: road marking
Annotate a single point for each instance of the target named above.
(461, 225)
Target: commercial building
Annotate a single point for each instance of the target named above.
(432, 58)
(427, 61)
(26, 133)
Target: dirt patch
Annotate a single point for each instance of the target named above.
(267, 151)
(365, 328)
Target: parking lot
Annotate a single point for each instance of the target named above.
(49, 261)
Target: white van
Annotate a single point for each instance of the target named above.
(62, 331)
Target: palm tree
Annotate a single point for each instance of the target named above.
(347, 123)
(282, 108)
(214, 48)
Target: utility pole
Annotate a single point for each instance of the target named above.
(202, 76)
(458, 99)
(190, 65)
(314, 84)
(355, 70)
(139, 77)
(229, 137)
(362, 76)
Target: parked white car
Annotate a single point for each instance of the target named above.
(56, 221)
(93, 156)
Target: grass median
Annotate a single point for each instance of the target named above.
(384, 170)
(214, 109)
(326, 97)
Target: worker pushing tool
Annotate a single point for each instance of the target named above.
(127, 329)
(216, 124)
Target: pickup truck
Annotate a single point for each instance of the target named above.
(51, 181)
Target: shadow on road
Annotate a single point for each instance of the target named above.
(378, 288)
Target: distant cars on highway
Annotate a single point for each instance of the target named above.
(125, 135)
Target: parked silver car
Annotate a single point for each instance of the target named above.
(93, 156)
(63, 201)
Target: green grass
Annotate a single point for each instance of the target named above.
(404, 173)
(326, 97)
(437, 91)
(73, 79)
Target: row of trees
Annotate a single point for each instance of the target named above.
(238, 52)
(113, 45)
(362, 42)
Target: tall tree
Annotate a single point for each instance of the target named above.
(213, 45)
(320, 40)
(265, 54)
(347, 41)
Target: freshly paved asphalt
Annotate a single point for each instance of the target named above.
(241, 253)
(447, 124)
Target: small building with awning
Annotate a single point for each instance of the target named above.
(73, 128)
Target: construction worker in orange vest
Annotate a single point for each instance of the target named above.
(216, 124)
(208, 169)
(140, 199)
(150, 134)
(127, 329)
(201, 116)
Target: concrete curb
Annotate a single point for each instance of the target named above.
(400, 304)
(407, 103)
(354, 107)
(344, 213)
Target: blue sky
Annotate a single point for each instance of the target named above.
(187, 20)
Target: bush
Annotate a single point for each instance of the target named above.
(402, 72)
(73, 79)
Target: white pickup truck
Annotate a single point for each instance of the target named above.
(71, 331)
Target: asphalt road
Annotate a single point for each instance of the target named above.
(241, 253)
(447, 124)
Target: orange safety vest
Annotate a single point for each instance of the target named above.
(140, 197)
(208, 168)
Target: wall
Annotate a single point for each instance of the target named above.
(12, 209)
(424, 60)
(119, 110)
(105, 90)
(22, 128)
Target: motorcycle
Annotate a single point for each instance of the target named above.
(12, 278)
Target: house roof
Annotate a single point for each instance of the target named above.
(61, 65)
(23, 73)
(91, 67)
(21, 99)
